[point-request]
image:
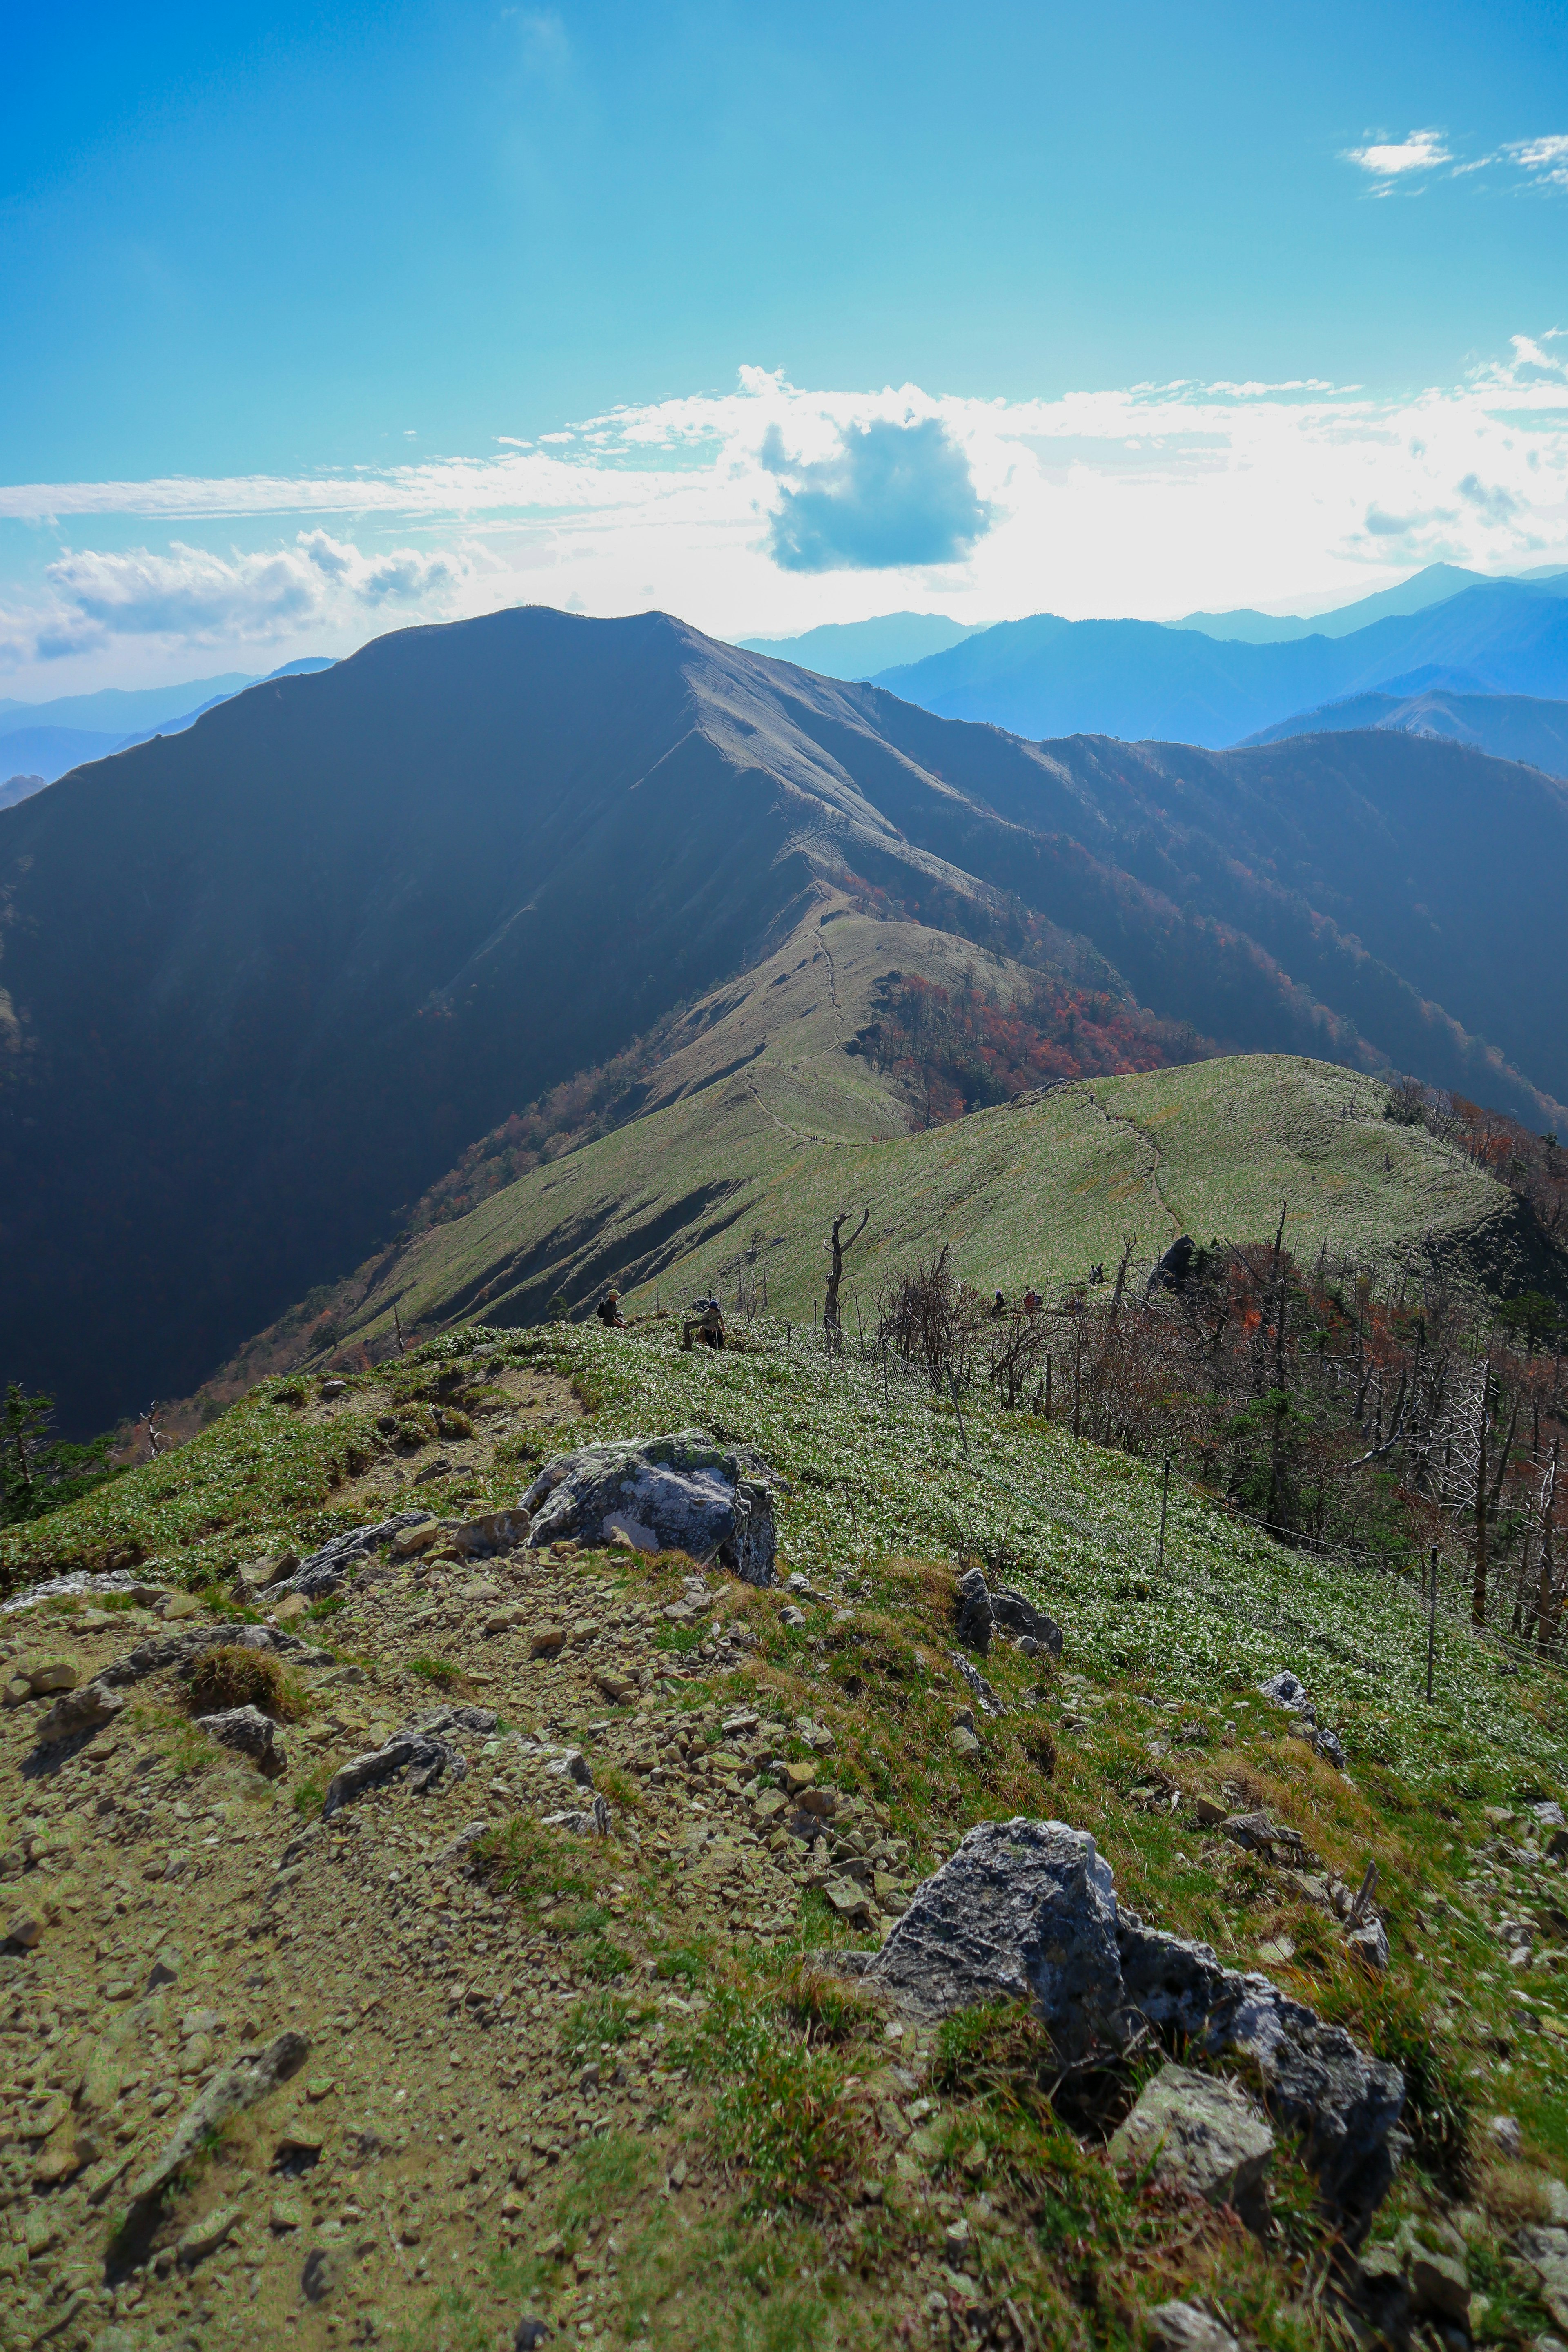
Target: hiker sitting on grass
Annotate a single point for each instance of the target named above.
(609, 1310)
(708, 1326)
(998, 1306)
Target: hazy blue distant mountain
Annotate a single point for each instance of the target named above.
(19, 788)
(1432, 586)
(1510, 726)
(1141, 681)
(50, 751)
(114, 711)
(860, 648)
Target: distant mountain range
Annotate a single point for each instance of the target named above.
(1136, 679)
(267, 979)
(860, 648)
(1508, 726)
(41, 740)
(1434, 585)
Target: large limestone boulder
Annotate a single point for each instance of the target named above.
(1028, 1908)
(680, 1493)
(1024, 1909)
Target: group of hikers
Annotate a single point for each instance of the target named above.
(1030, 1304)
(705, 1322)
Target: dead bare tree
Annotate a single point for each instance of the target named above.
(840, 1250)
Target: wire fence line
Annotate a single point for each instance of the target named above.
(845, 1353)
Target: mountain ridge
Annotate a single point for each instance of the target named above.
(243, 1025)
(1141, 680)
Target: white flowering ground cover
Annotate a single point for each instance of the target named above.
(875, 1469)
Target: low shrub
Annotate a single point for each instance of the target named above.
(229, 1676)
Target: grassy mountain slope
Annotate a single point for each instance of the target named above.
(1139, 679)
(586, 2079)
(764, 1127)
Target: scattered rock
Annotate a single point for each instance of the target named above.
(680, 1493)
(1546, 2252)
(251, 2079)
(1026, 1909)
(59, 1676)
(976, 1620)
(25, 1929)
(1200, 2134)
(321, 1572)
(989, 1702)
(249, 1733)
(87, 1709)
(1184, 2327)
(206, 2236)
(290, 1608)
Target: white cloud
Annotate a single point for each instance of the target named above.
(1545, 159)
(195, 596)
(1152, 500)
(1388, 160)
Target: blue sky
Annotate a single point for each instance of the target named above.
(1161, 301)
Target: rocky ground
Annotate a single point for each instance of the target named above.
(527, 1989)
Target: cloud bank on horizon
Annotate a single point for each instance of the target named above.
(774, 507)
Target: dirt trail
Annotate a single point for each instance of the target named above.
(1121, 1118)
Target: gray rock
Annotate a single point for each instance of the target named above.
(1025, 1910)
(1020, 1618)
(988, 1701)
(1546, 2252)
(1198, 2134)
(1548, 1814)
(426, 1760)
(322, 1571)
(1369, 1944)
(1286, 1690)
(253, 2075)
(87, 1709)
(249, 1733)
(976, 1619)
(1184, 2327)
(680, 1493)
(1438, 2282)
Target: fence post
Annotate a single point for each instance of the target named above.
(1431, 1624)
(952, 1383)
(1164, 1500)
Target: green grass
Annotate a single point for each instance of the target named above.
(1033, 1195)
